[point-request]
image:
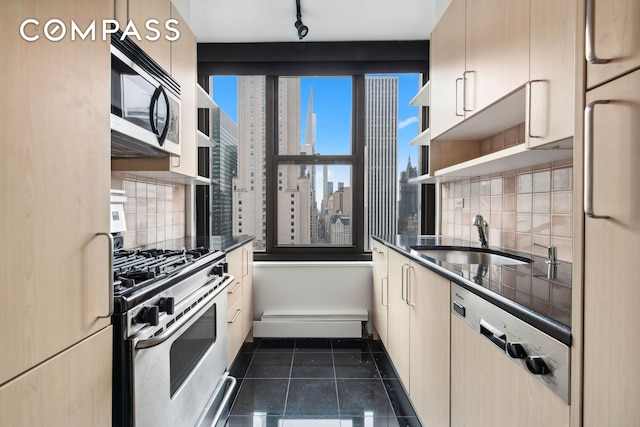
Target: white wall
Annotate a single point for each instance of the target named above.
(312, 287)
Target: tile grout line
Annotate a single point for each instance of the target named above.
(335, 381)
(286, 397)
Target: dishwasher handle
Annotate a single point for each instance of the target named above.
(494, 334)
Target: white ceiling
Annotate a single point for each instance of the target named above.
(247, 21)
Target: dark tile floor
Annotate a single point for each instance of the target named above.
(317, 383)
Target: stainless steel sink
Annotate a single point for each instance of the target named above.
(471, 256)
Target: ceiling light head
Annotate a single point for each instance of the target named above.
(303, 30)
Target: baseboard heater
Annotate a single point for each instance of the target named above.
(282, 324)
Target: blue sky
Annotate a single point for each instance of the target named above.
(332, 106)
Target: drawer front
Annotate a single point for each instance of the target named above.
(379, 254)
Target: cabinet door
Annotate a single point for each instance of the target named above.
(380, 302)
(54, 269)
(71, 389)
(247, 289)
(611, 291)
(497, 51)
(616, 37)
(446, 69)
(234, 331)
(489, 390)
(184, 59)
(550, 115)
(379, 254)
(139, 12)
(234, 300)
(398, 321)
(429, 295)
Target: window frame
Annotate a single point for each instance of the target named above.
(355, 160)
(314, 59)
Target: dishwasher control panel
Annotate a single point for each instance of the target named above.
(544, 357)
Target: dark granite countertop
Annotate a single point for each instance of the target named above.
(532, 292)
(214, 243)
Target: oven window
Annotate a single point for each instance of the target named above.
(187, 350)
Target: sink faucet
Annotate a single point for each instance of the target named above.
(483, 230)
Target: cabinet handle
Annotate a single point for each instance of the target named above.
(245, 262)
(382, 292)
(529, 85)
(110, 281)
(464, 90)
(459, 79)
(238, 311)
(588, 160)
(378, 251)
(405, 279)
(235, 289)
(590, 35)
(409, 286)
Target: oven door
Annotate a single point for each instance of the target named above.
(176, 372)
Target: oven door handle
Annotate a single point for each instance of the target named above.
(152, 342)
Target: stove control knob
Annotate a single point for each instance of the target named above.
(167, 305)
(516, 350)
(536, 365)
(150, 315)
(217, 270)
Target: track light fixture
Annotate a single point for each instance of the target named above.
(303, 30)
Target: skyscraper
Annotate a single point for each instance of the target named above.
(249, 187)
(381, 152)
(408, 203)
(224, 165)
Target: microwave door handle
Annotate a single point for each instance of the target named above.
(153, 119)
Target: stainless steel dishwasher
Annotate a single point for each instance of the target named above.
(544, 357)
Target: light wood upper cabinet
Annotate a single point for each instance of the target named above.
(615, 36)
(71, 389)
(54, 268)
(550, 112)
(489, 390)
(496, 51)
(611, 292)
(184, 62)
(429, 299)
(182, 65)
(447, 67)
(142, 10)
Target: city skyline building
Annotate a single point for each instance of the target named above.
(294, 183)
(408, 202)
(381, 148)
(224, 165)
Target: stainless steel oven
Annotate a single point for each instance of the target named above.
(171, 340)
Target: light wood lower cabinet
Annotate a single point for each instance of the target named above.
(380, 258)
(418, 336)
(239, 298)
(71, 389)
(611, 292)
(399, 313)
(489, 390)
(429, 296)
(380, 302)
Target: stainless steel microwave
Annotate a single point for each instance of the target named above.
(145, 104)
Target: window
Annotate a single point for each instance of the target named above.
(326, 147)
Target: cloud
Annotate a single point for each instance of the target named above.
(403, 124)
